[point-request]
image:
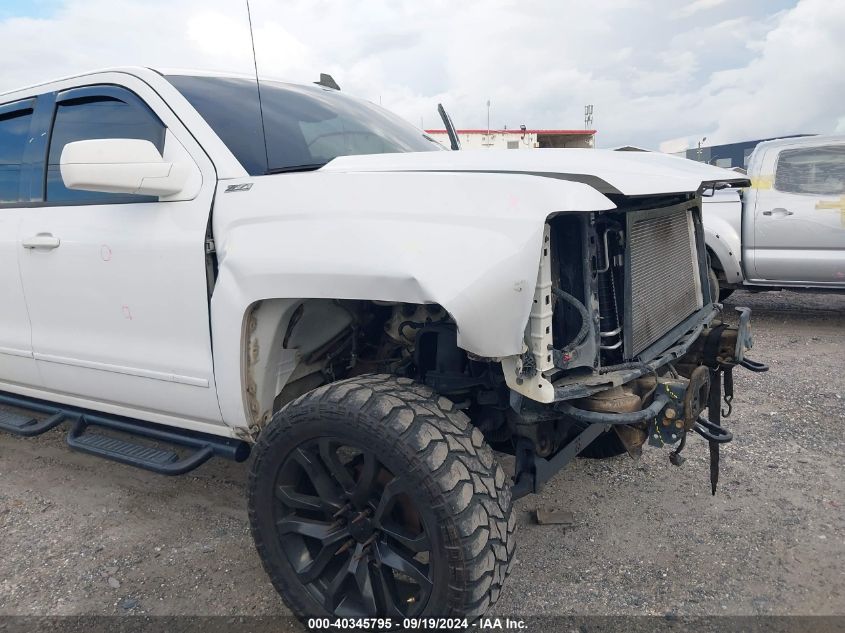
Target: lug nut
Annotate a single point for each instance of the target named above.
(361, 516)
(341, 512)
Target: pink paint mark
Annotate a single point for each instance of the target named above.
(105, 253)
(127, 313)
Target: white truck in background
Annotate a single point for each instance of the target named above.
(787, 230)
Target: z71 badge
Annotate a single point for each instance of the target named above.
(242, 187)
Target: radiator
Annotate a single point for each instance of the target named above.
(663, 280)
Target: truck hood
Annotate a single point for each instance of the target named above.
(609, 172)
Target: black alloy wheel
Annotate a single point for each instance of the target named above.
(350, 531)
(373, 496)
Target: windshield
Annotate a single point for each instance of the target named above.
(306, 126)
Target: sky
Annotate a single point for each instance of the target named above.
(661, 74)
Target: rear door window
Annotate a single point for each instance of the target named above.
(14, 136)
(818, 171)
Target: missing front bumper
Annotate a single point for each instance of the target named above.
(705, 357)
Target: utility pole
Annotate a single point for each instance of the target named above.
(488, 141)
(588, 122)
(488, 118)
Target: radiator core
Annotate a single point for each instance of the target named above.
(663, 277)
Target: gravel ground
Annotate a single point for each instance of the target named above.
(81, 536)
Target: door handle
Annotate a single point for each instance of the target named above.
(44, 241)
(779, 212)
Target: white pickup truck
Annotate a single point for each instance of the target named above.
(787, 230)
(186, 274)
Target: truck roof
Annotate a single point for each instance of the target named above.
(143, 72)
(802, 140)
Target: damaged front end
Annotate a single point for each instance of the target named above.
(624, 345)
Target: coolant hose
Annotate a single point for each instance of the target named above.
(585, 318)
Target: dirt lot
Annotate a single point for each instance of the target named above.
(84, 536)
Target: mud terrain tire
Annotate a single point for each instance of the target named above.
(448, 474)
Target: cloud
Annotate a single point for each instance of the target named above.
(728, 71)
(795, 82)
(698, 5)
(675, 145)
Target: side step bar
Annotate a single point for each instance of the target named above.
(26, 426)
(164, 462)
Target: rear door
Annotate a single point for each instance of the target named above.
(17, 366)
(116, 284)
(799, 216)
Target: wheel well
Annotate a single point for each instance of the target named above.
(291, 346)
(717, 267)
(714, 260)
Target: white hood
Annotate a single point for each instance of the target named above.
(628, 173)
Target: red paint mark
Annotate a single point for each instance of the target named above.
(127, 313)
(105, 253)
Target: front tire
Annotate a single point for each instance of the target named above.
(373, 497)
(717, 293)
(714, 285)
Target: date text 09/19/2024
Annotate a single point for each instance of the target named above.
(416, 624)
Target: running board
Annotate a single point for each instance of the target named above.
(26, 426)
(165, 462)
(159, 461)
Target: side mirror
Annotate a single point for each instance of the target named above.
(121, 165)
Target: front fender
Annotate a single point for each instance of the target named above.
(469, 242)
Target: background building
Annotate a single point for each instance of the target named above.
(729, 155)
(517, 139)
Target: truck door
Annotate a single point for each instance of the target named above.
(17, 366)
(115, 283)
(799, 216)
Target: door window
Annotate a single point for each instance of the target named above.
(816, 171)
(98, 117)
(14, 133)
